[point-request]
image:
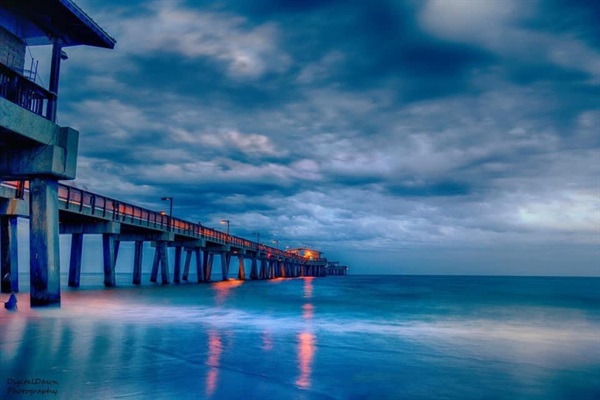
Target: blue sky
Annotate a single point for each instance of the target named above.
(434, 137)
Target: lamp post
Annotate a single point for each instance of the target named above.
(170, 210)
(276, 243)
(226, 221)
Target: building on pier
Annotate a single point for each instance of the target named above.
(310, 254)
(34, 147)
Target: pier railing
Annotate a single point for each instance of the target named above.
(79, 201)
(18, 89)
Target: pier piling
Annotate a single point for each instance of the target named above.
(44, 242)
(137, 262)
(75, 261)
(9, 259)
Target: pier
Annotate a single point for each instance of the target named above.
(334, 268)
(37, 155)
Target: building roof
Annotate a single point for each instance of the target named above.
(62, 19)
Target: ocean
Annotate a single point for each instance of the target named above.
(347, 337)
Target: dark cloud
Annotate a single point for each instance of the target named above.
(404, 129)
(426, 189)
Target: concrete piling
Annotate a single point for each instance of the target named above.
(9, 260)
(254, 268)
(200, 272)
(241, 268)
(44, 242)
(177, 265)
(75, 261)
(186, 264)
(110, 247)
(225, 259)
(208, 258)
(164, 262)
(137, 262)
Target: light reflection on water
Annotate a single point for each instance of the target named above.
(267, 340)
(306, 339)
(306, 353)
(223, 289)
(215, 348)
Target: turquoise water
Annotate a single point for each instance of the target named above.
(353, 337)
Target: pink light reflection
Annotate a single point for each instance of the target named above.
(306, 352)
(308, 311)
(267, 341)
(308, 287)
(215, 348)
(223, 288)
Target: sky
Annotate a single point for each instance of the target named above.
(399, 137)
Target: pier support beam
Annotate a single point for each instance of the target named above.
(75, 261)
(44, 242)
(208, 264)
(160, 259)
(137, 262)
(186, 264)
(110, 250)
(177, 265)
(254, 269)
(282, 271)
(164, 263)
(263, 269)
(241, 269)
(225, 259)
(9, 254)
(155, 264)
(272, 270)
(199, 265)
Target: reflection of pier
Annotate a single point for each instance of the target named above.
(37, 153)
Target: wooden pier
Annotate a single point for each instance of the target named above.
(34, 149)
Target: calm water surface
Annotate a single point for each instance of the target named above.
(353, 337)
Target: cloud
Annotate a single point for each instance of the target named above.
(502, 27)
(247, 52)
(571, 212)
(427, 129)
(247, 143)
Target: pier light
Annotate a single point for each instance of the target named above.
(170, 199)
(226, 221)
(276, 243)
